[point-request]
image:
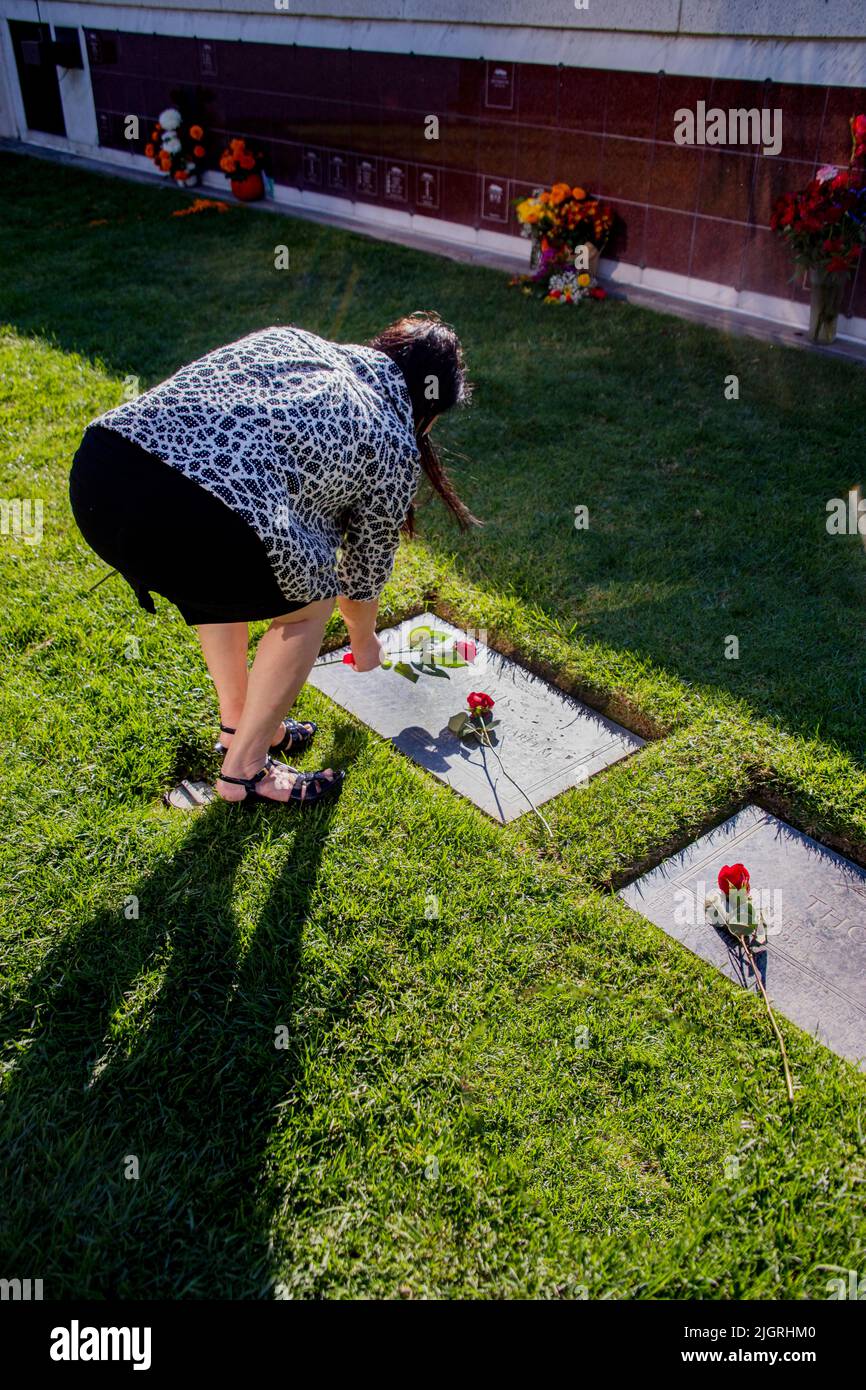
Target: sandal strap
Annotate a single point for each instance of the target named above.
(249, 782)
(290, 726)
(317, 780)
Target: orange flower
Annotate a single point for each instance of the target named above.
(195, 132)
(559, 192)
(181, 175)
(246, 161)
(578, 193)
(236, 147)
(200, 205)
(198, 151)
(165, 160)
(227, 165)
(149, 151)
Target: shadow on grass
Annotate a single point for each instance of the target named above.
(189, 1087)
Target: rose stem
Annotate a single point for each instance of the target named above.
(486, 741)
(760, 985)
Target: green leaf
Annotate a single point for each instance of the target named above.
(404, 669)
(448, 657)
(459, 723)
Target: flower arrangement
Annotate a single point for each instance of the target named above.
(824, 227)
(568, 230)
(564, 217)
(571, 286)
(243, 164)
(177, 149)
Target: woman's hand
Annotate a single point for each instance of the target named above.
(359, 615)
(368, 653)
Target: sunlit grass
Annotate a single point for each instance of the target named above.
(433, 1124)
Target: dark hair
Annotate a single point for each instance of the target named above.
(429, 354)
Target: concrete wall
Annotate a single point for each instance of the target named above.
(822, 19)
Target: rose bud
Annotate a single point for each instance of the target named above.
(733, 876)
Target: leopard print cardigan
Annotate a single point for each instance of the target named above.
(310, 442)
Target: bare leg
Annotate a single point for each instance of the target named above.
(225, 647)
(225, 651)
(283, 660)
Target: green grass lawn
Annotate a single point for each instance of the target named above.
(428, 1126)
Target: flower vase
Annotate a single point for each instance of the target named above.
(592, 256)
(826, 302)
(249, 189)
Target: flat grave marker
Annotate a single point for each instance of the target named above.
(814, 903)
(547, 740)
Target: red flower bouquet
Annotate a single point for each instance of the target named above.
(824, 227)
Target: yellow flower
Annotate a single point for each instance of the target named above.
(583, 280)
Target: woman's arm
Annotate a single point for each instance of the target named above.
(359, 615)
(371, 535)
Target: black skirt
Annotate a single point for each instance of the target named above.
(167, 535)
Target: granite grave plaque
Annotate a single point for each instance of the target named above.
(813, 902)
(547, 740)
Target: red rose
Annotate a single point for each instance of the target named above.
(467, 650)
(598, 293)
(858, 126)
(348, 659)
(476, 699)
(733, 876)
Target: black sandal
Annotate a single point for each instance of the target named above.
(309, 787)
(296, 739)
